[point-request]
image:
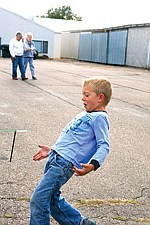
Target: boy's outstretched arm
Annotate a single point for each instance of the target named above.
(87, 168)
(42, 153)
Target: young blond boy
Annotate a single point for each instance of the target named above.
(81, 148)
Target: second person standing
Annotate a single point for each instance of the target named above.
(29, 51)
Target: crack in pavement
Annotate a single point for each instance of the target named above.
(142, 193)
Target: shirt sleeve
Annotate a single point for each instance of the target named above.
(11, 49)
(101, 130)
(33, 47)
(95, 164)
(25, 47)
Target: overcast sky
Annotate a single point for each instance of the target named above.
(101, 12)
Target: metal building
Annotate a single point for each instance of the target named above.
(44, 38)
(127, 45)
(138, 47)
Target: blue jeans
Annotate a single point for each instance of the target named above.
(30, 61)
(46, 199)
(18, 61)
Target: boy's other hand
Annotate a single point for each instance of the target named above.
(87, 168)
(42, 153)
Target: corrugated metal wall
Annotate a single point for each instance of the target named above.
(57, 45)
(99, 47)
(74, 45)
(138, 47)
(70, 45)
(148, 57)
(117, 47)
(65, 45)
(123, 46)
(85, 47)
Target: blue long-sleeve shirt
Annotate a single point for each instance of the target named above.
(85, 138)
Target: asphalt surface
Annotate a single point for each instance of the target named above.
(119, 191)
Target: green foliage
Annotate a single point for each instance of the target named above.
(64, 12)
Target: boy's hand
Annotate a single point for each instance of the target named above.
(42, 153)
(87, 168)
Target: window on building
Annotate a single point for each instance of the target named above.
(41, 46)
(38, 46)
(45, 46)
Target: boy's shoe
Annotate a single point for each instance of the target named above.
(34, 78)
(86, 221)
(15, 78)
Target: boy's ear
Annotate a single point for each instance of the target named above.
(101, 98)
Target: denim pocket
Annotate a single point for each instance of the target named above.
(64, 165)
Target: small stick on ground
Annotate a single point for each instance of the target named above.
(14, 137)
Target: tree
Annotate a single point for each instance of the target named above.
(64, 12)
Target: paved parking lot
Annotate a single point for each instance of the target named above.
(117, 193)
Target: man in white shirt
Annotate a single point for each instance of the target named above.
(16, 48)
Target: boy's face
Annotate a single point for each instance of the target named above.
(92, 101)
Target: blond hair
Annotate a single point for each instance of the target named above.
(99, 85)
